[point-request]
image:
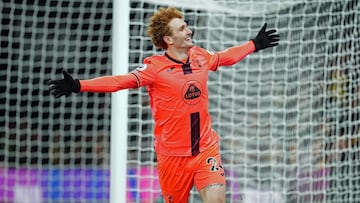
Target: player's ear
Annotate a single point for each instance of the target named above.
(168, 40)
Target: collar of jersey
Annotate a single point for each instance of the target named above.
(177, 61)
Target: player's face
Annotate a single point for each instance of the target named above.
(181, 37)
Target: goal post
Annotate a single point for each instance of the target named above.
(119, 101)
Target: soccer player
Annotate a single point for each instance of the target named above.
(186, 146)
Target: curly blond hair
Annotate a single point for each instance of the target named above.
(159, 25)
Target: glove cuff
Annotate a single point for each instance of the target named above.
(255, 44)
(76, 86)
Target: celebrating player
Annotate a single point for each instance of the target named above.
(186, 146)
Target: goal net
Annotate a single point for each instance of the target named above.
(288, 117)
(53, 150)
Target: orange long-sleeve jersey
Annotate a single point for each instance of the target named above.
(178, 96)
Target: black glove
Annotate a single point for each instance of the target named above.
(265, 39)
(64, 86)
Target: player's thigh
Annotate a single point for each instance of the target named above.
(175, 180)
(210, 171)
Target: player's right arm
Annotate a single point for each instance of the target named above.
(69, 85)
(109, 83)
(141, 76)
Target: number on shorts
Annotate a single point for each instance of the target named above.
(214, 164)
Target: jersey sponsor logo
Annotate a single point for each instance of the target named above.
(192, 92)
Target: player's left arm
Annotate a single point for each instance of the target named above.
(264, 39)
(234, 54)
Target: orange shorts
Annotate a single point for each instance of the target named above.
(177, 175)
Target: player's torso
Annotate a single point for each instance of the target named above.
(179, 100)
(183, 84)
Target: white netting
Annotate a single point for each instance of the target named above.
(53, 150)
(288, 116)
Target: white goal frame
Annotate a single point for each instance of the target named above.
(119, 116)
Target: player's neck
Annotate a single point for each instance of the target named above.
(179, 54)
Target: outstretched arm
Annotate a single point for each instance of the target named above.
(69, 85)
(264, 39)
(234, 54)
(109, 83)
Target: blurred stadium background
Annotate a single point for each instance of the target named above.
(288, 117)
